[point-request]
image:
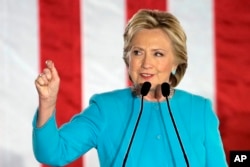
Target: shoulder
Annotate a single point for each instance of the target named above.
(111, 96)
(188, 96)
(191, 100)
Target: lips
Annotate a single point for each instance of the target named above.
(146, 75)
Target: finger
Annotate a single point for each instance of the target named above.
(53, 69)
(47, 74)
(42, 80)
(45, 79)
(40, 86)
(39, 81)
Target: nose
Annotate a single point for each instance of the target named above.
(146, 62)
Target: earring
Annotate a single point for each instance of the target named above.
(173, 72)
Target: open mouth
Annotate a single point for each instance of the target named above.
(146, 75)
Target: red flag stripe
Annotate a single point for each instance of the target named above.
(133, 6)
(232, 75)
(60, 42)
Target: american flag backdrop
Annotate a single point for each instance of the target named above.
(84, 39)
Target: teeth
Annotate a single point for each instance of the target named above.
(146, 75)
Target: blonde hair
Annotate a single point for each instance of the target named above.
(152, 19)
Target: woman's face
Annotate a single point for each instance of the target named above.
(151, 57)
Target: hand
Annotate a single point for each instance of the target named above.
(47, 85)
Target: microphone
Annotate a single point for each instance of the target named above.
(144, 91)
(165, 88)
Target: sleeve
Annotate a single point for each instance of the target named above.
(58, 147)
(215, 155)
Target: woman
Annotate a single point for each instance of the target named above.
(155, 52)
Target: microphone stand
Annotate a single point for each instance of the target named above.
(165, 92)
(144, 91)
(133, 135)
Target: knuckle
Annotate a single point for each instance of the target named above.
(46, 70)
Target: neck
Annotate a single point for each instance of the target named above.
(154, 94)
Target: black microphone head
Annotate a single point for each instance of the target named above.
(145, 88)
(165, 89)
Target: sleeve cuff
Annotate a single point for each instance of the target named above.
(51, 120)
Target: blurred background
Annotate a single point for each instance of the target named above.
(85, 40)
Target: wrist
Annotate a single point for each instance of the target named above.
(45, 111)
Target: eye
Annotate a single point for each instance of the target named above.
(137, 52)
(158, 54)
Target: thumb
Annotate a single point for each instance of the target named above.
(51, 66)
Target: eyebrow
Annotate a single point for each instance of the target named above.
(160, 50)
(137, 47)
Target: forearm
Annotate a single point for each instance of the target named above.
(45, 111)
(60, 146)
(45, 140)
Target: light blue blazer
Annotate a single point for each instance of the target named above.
(108, 122)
